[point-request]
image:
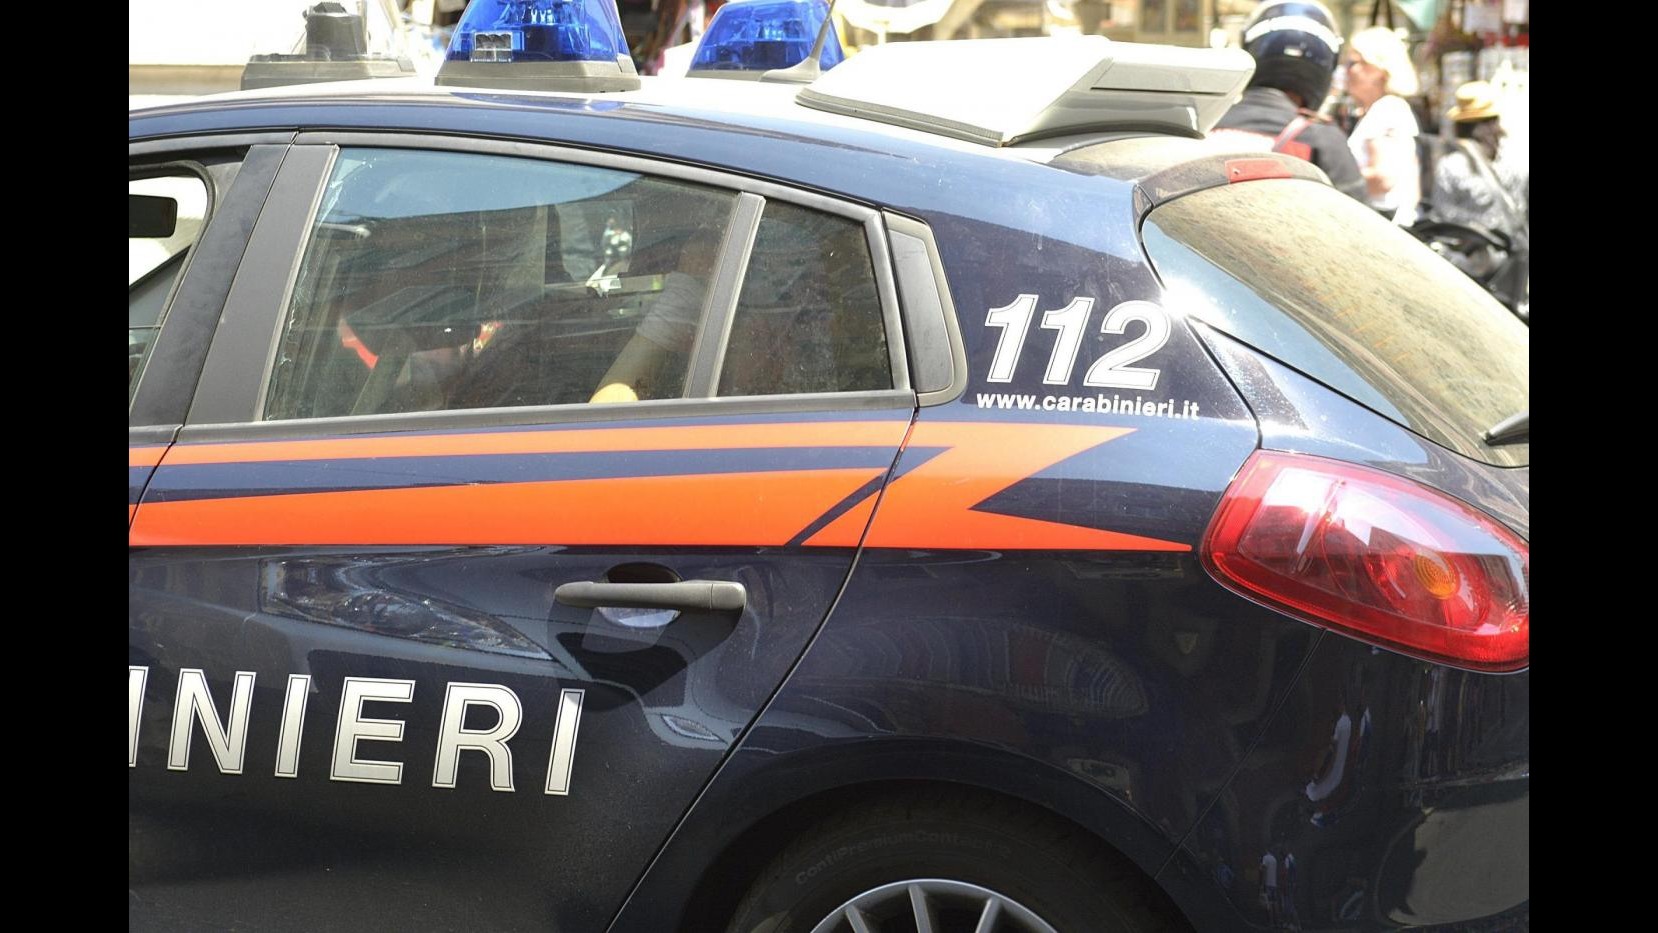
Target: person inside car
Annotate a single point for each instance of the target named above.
(669, 327)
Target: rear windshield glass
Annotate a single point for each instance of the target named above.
(1320, 282)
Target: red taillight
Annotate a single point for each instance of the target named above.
(1375, 555)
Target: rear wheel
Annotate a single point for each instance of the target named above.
(946, 864)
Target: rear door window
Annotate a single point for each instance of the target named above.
(439, 281)
(1314, 279)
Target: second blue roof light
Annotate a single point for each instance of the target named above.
(761, 35)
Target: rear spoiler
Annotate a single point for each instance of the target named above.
(1215, 171)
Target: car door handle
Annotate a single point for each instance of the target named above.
(685, 595)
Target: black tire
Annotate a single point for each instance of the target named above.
(1037, 861)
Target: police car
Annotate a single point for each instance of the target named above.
(941, 493)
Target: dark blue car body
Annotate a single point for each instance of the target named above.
(976, 595)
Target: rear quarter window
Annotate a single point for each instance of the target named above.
(1320, 282)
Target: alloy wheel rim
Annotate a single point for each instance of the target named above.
(932, 905)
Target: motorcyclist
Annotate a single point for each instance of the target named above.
(1295, 45)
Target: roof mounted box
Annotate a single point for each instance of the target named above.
(336, 49)
(1001, 92)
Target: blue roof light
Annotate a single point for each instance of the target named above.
(762, 35)
(540, 44)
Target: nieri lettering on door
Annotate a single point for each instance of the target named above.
(226, 739)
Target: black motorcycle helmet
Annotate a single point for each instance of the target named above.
(1295, 45)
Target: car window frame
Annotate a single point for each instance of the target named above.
(236, 171)
(228, 406)
(938, 359)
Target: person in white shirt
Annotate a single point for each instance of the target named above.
(1269, 884)
(1379, 78)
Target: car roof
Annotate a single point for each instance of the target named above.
(712, 102)
(740, 106)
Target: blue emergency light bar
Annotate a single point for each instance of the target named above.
(750, 37)
(574, 45)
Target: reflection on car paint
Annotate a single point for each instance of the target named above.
(354, 592)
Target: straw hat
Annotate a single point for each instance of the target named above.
(1476, 100)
